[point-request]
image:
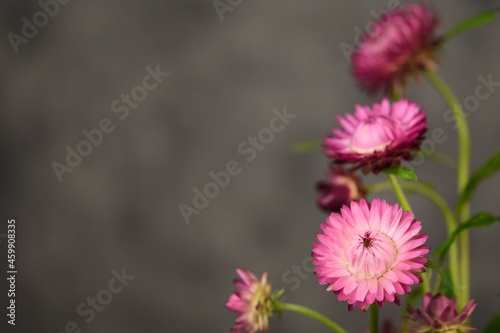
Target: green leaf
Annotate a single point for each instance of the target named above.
(279, 293)
(446, 286)
(476, 21)
(485, 171)
(430, 264)
(477, 221)
(493, 326)
(401, 172)
(306, 146)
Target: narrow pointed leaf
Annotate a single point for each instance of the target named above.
(430, 264)
(401, 172)
(279, 293)
(486, 170)
(477, 221)
(476, 21)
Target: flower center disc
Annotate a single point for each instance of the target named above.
(374, 133)
(370, 254)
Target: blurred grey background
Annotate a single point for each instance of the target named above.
(119, 208)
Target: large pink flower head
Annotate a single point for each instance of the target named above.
(439, 315)
(341, 187)
(370, 254)
(379, 137)
(400, 44)
(253, 301)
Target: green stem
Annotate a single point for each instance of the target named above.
(463, 178)
(441, 158)
(440, 203)
(374, 318)
(436, 285)
(377, 187)
(311, 313)
(426, 282)
(426, 191)
(463, 130)
(395, 96)
(393, 181)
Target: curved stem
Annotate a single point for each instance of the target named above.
(426, 191)
(377, 187)
(436, 285)
(441, 158)
(373, 318)
(393, 181)
(463, 178)
(440, 203)
(311, 313)
(462, 127)
(426, 281)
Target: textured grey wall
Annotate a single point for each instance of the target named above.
(119, 207)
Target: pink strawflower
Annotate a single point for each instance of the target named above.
(341, 187)
(253, 301)
(370, 254)
(379, 137)
(400, 44)
(439, 315)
